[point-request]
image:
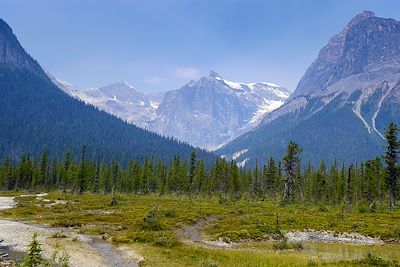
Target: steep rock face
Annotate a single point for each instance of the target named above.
(212, 111)
(124, 101)
(11, 52)
(368, 44)
(343, 102)
(205, 113)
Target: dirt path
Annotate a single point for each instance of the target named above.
(83, 250)
(195, 234)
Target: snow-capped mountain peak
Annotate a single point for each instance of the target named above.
(207, 112)
(213, 102)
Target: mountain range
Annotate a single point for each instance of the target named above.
(187, 114)
(35, 115)
(338, 111)
(342, 104)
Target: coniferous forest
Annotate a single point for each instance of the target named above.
(372, 181)
(121, 175)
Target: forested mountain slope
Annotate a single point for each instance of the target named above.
(342, 104)
(36, 115)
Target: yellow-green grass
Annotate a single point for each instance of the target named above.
(262, 255)
(243, 221)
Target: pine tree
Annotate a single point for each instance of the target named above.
(8, 183)
(269, 177)
(96, 179)
(341, 185)
(291, 163)
(43, 170)
(308, 181)
(82, 172)
(234, 187)
(66, 170)
(349, 185)
(255, 183)
(192, 169)
(391, 157)
(199, 182)
(34, 256)
(115, 175)
(145, 177)
(107, 181)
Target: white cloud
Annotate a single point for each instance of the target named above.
(187, 73)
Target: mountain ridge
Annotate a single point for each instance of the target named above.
(36, 115)
(181, 114)
(343, 102)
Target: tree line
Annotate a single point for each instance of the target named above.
(372, 181)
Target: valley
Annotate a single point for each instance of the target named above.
(244, 223)
(206, 171)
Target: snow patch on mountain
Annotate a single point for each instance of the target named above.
(242, 164)
(208, 112)
(266, 107)
(380, 102)
(236, 155)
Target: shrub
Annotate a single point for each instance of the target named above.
(222, 200)
(69, 223)
(373, 207)
(170, 214)
(165, 241)
(362, 208)
(152, 222)
(373, 260)
(266, 228)
(397, 232)
(208, 263)
(284, 245)
(241, 235)
(142, 237)
(58, 235)
(323, 209)
(59, 260)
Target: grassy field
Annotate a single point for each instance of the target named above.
(149, 225)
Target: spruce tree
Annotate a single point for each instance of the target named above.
(349, 184)
(82, 172)
(291, 163)
(192, 168)
(66, 170)
(43, 169)
(391, 157)
(269, 177)
(34, 256)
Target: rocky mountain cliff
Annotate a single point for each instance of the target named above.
(212, 111)
(343, 102)
(207, 113)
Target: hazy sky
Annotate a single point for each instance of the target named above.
(161, 45)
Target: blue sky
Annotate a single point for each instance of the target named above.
(161, 45)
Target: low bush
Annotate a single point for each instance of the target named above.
(58, 235)
(285, 245)
(372, 260)
(208, 263)
(152, 222)
(170, 214)
(165, 241)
